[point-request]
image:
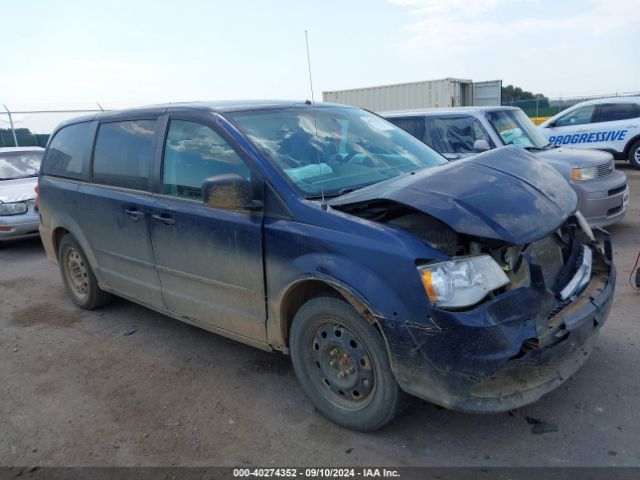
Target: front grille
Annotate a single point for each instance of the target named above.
(615, 191)
(605, 169)
(613, 211)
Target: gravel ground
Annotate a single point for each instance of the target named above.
(127, 386)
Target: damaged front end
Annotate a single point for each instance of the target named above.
(522, 340)
(532, 329)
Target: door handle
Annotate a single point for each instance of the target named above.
(134, 214)
(163, 218)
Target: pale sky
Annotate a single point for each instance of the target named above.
(73, 53)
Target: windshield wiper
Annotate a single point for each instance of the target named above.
(342, 191)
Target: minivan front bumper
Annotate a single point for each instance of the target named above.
(505, 353)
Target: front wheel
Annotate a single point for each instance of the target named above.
(79, 281)
(342, 364)
(634, 155)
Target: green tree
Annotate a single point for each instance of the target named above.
(511, 93)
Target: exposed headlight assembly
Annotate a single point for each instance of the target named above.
(463, 281)
(585, 173)
(13, 208)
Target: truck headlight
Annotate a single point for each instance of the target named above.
(13, 208)
(463, 281)
(584, 173)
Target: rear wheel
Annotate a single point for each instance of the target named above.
(343, 366)
(79, 281)
(634, 155)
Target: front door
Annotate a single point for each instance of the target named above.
(209, 259)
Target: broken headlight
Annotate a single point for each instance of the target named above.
(461, 282)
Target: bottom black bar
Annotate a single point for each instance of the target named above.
(404, 473)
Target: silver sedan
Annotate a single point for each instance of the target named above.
(19, 167)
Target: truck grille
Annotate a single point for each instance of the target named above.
(605, 169)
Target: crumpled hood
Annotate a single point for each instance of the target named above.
(506, 194)
(18, 190)
(575, 157)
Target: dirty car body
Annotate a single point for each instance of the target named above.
(512, 348)
(343, 204)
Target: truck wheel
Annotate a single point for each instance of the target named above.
(79, 281)
(342, 364)
(634, 155)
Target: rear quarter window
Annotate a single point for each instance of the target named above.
(66, 152)
(611, 112)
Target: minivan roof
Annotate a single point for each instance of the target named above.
(447, 110)
(213, 106)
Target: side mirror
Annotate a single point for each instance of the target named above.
(229, 191)
(480, 146)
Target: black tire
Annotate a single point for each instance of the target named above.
(367, 396)
(79, 281)
(634, 155)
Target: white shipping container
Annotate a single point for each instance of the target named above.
(487, 94)
(447, 92)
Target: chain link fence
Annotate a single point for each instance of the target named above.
(31, 125)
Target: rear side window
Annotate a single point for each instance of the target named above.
(66, 152)
(610, 112)
(123, 153)
(192, 153)
(454, 134)
(413, 125)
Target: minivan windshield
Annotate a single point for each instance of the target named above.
(515, 128)
(336, 149)
(19, 164)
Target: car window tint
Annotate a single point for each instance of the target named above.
(577, 117)
(123, 153)
(66, 151)
(610, 112)
(413, 125)
(192, 153)
(454, 134)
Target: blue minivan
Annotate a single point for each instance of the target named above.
(327, 233)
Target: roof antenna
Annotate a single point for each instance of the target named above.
(323, 205)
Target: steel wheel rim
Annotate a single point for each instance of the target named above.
(341, 364)
(636, 155)
(77, 273)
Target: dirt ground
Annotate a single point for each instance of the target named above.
(126, 386)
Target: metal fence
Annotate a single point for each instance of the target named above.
(31, 125)
(546, 107)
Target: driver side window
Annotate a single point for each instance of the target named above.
(577, 117)
(192, 153)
